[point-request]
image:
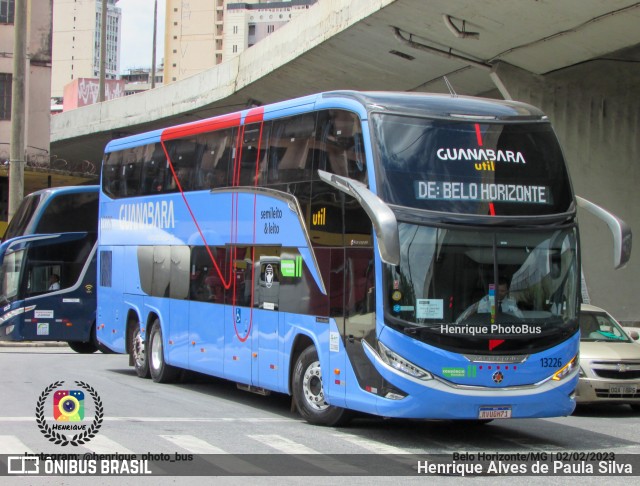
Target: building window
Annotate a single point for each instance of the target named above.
(7, 9)
(235, 48)
(5, 96)
(235, 29)
(270, 29)
(252, 29)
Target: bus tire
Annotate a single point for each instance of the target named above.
(138, 352)
(83, 347)
(308, 392)
(161, 372)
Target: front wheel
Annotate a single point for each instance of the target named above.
(308, 392)
(161, 372)
(139, 352)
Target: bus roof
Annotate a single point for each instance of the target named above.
(51, 191)
(443, 105)
(423, 104)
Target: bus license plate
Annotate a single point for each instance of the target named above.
(499, 412)
(622, 389)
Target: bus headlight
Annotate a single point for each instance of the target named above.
(566, 369)
(399, 363)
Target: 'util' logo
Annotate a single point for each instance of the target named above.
(320, 217)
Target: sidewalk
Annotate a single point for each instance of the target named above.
(32, 344)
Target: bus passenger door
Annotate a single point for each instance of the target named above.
(239, 317)
(265, 346)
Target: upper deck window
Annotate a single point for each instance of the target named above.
(470, 168)
(23, 216)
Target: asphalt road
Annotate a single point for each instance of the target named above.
(202, 415)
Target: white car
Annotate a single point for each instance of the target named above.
(609, 361)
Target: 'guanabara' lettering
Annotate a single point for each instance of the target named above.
(158, 214)
(480, 155)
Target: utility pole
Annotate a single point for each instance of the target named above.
(18, 122)
(153, 56)
(103, 51)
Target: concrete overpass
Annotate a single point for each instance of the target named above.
(576, 59)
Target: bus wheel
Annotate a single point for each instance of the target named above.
(139, 352)
(161, 372)
(82, 348)
(308, 392)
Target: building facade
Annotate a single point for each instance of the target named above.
(247, 23)
(37, 85)
(199, 34)
(76, 41)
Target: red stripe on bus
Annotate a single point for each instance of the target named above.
(198, 127)
(255, 115)
(226, 285)
(255, 204)
(492, 209)
(478, 134)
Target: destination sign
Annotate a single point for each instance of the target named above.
(482, 192)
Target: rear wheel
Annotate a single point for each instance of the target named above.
(83, 348)
(139, 352)
(161, 372)
(308, 392)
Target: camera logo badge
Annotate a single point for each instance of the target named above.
(68, 406)
(71, 427)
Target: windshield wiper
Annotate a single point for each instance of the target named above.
(417, 329)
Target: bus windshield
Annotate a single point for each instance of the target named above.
(470, 168)
(475, 278)
(21, 220)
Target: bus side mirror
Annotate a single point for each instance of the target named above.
(384, 220)
(619, 229)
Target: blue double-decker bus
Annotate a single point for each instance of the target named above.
(404, 255)
(48, 269)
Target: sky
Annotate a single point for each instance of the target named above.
(137, 33)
